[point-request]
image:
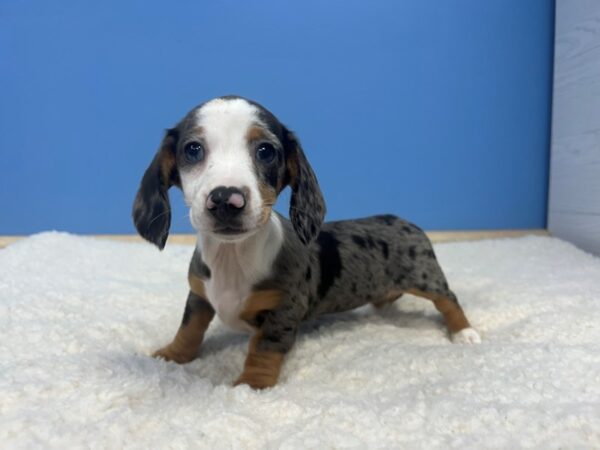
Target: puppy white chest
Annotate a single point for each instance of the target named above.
(236, 268)
(227, 293)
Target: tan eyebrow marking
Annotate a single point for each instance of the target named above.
(196, 131)
(255, 134)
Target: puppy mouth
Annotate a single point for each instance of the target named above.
(232, 234)
(230, 231)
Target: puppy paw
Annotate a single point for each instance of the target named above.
(466, 336)
(256, 381)
(169, 353)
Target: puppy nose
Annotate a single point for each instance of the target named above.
(225, 200)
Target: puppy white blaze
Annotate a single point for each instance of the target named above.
(225, 124)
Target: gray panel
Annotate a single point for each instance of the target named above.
(575, 173)
(574, 197)
(582, 230)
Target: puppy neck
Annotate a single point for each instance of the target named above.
(254, 255)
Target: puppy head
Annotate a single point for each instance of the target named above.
(231, 157)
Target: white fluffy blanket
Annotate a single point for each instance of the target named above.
(78, 318)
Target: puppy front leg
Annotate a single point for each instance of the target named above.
(262, 366)
(196, 318)
(276, 317)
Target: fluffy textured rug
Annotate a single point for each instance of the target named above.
(78, 318)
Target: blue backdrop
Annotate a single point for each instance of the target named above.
(437, 111)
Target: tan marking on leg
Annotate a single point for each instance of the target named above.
(453, 314)
(262, 368)
(196, 285)
(189, 337)
(258, 301)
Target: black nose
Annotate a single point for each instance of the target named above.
(225, 202)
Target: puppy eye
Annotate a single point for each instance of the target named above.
(265, 153)
(194, 152)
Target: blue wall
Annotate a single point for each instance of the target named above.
(434, 110)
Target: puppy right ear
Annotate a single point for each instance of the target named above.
(307, 206)
(151, 207)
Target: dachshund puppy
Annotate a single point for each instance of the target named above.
(259, 272)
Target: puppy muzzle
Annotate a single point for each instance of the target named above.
(226, 205)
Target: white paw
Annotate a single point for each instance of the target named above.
(466, 336)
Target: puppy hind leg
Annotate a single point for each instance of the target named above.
(446, 303)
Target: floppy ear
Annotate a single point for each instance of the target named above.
(151, 207)
(307, 206)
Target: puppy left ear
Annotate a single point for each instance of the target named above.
(151, 208)
(307, 206)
